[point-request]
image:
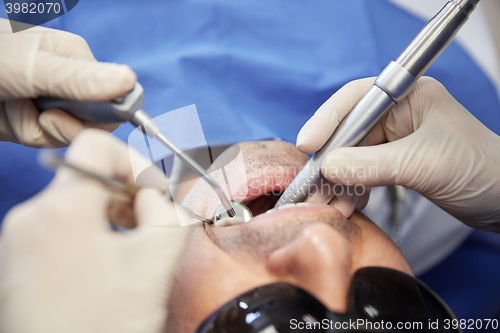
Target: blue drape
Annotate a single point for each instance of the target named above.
(259, 69)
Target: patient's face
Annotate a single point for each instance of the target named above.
(312, 246)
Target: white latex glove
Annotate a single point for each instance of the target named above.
(46, 62)
(63, 270)
(429, 143)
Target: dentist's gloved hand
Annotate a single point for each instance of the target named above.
(429, 143)
(62, 268)
(46, 62)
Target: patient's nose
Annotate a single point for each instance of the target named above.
(320, 262)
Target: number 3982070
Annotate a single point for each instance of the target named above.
(33, 8)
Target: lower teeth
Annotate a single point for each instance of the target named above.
(229, 221)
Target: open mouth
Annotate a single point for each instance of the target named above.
(256, 204)
(261, 193)
(263, 203)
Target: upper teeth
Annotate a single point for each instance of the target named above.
(290, 205)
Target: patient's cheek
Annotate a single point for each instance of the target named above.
(206, 278)
(376, 248)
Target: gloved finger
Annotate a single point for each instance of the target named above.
(351, 198)
(377, 135)
(66, 44)
(398, 123)
(321, 195)
(6, 132)
(74, 204)
(121, 211)
(75, 79)
(105, 127)
(158, 226)
(63, 43)
(60, 125)
(345, 201)
(323, 123)
(22, 115)
(153, 210)
(94, 204)
(97, 151)
(158, 241)
(64, 127)
(363, 199)
(379, 165)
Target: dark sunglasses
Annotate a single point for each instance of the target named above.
(380, 300)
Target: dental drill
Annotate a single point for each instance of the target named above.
(391, 87)
(128, 108)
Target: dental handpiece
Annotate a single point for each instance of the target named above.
(128, 108)
(391, 87)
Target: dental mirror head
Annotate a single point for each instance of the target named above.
(222, 219)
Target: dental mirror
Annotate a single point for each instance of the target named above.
(222, 219)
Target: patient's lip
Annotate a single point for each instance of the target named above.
(286, 213)
(274, 180)
(267, 182)
(269, 171)
(277, 180)
(313, 213)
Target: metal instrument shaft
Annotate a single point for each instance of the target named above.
(52, 161)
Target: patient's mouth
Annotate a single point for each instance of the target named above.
(262, 204)
(261, 192)
(268, 173)
(260, 195)
(256, 206)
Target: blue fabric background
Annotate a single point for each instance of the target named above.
(259, 69)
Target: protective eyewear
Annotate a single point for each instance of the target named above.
(380, 300)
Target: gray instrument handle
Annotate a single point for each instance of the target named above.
(390, 87)
(119, 110)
